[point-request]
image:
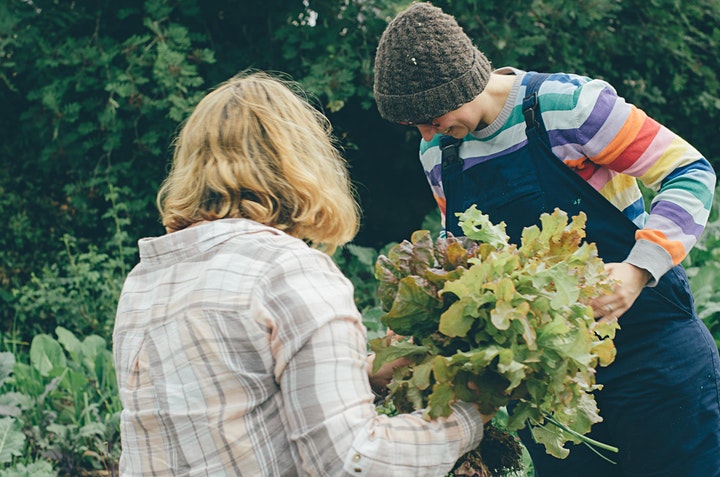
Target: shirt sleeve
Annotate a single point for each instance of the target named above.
(320, 350)
(624, 144)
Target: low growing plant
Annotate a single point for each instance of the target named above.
(59, 407)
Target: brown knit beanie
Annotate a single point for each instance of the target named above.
(425, 66)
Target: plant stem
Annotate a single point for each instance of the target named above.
(585, 439)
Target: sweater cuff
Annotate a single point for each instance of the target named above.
(651, 257)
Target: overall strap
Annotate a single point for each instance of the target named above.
(451, 181)
(531, 106)
(451, 168)
(449, 148)
(607, 226)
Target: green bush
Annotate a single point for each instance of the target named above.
(80, 289)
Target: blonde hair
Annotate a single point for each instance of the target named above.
(254, 148)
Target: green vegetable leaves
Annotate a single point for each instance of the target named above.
(513, 321)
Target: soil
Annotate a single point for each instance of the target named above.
(498, 454)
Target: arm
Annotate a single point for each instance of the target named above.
(611, 144)
(626, 142)
(323, 374)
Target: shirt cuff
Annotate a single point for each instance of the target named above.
(471, 421)
(651, 257)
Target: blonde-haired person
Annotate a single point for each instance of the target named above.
(238, 346)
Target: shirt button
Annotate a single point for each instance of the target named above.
(356, 457)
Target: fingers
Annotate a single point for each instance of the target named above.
(629, 282)
(608, 314)
(606, 310)
(613, 305)
(380, 380)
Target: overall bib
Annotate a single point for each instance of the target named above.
(661, 397)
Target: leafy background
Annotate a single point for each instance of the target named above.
(91, 94)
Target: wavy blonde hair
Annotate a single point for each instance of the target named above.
(255, 148)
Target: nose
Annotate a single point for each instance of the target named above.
(427, 131)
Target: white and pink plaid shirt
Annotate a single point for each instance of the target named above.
(240, 352)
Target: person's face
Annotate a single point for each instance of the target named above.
(456, 123)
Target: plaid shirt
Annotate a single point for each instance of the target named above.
(240, 352)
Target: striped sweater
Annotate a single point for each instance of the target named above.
(611, 144)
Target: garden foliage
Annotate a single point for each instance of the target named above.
(93, 92)
(60, 407)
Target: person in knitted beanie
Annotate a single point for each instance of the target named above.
(518, 144)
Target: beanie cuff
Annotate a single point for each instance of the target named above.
(424, 106)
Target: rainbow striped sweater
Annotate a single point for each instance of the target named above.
(611, 144)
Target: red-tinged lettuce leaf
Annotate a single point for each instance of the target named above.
(423, 251)
(439, 276)
(388, 277)
(402, 257)
(556, 238)
(408, 258)
(415, 310)
(415, 256)
(453, 252)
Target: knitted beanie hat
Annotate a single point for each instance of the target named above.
(425, 66)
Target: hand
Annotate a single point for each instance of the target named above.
(380, 380)
(630, 280)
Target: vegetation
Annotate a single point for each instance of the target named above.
(59, 409)
(513, 319)
(92, 93)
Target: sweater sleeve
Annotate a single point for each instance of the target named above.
(624, 144)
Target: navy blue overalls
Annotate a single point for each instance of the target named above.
(661, 397)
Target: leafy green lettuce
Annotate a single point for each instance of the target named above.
(483, 320)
